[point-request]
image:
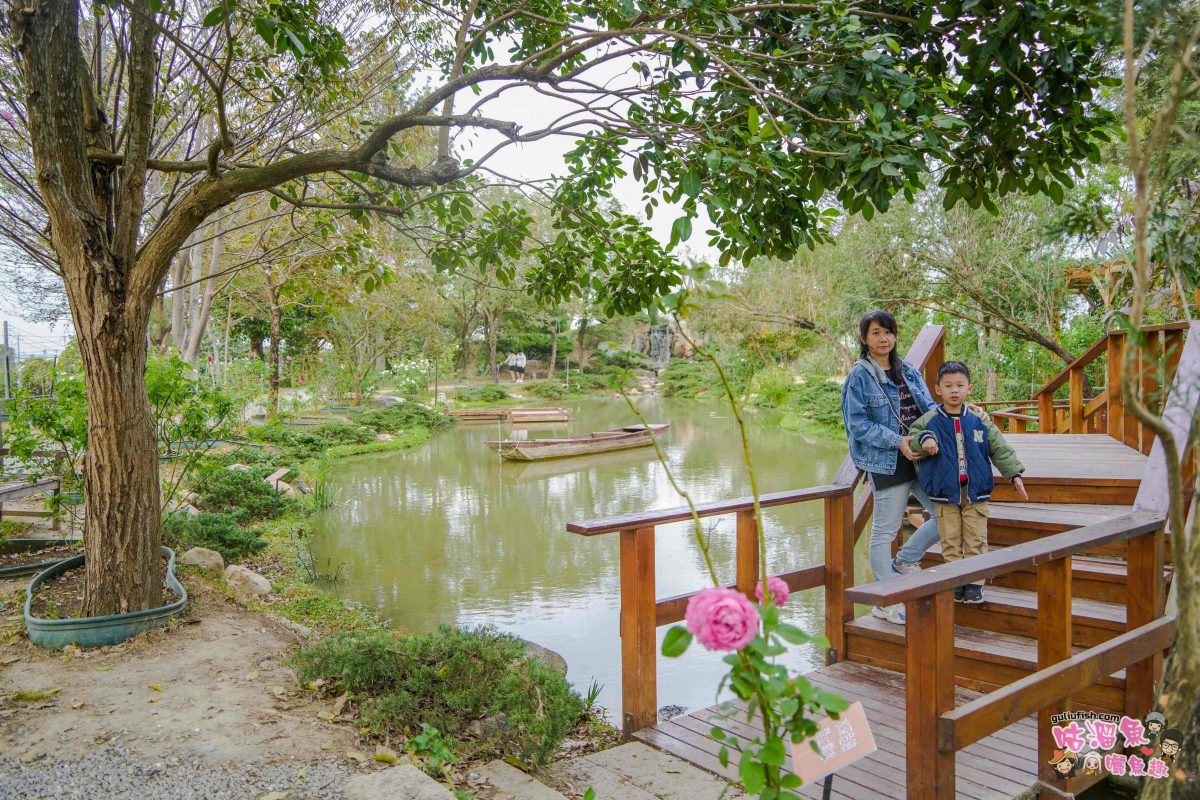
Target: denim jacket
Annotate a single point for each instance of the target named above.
(871, 413)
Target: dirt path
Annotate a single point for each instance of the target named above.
(213, 688)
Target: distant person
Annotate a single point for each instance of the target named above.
(957, 476)
(520, 366)
(884, 395)
(510, 364)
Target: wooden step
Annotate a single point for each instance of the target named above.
(1091, 578)
(1015, 523)
(1074, 469)
(1014, 611)
(983, 660)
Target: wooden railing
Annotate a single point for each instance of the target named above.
(1104, 412)
(936, 729)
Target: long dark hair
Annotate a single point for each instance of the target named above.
(888, 323)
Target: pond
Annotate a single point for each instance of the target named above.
(449, 534)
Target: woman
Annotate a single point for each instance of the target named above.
(882, 397)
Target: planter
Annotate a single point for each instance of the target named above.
(25, 545)
(98, 631)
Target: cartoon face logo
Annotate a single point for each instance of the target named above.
(1172, 741)
(1091, 763)
(1064, 763)
(1155, 722)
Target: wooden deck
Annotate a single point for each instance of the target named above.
(998, 767)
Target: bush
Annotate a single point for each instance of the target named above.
(772, 385)
(688, 379)
(301, 445)
(220, 532)
(449, 679)
(222, 490)
(488, 393)
(403, 417)
(818, 400)
(623, 359)
(547, 390)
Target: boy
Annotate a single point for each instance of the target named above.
(958, 476)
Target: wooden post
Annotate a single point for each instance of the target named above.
(639, 673)
(1046, 412)
(937, 357)
(747, 553)
(1053, 646)
(929, 693)
(1075, 393)
(1144, 565)
(1150, 385)
(839, 572)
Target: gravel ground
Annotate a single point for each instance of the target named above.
(113, 773)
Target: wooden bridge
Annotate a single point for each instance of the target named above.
(960, 698)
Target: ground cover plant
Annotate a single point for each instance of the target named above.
(476, 686)
(488, 393)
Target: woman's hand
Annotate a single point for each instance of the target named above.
(978, 411)
(907, 451)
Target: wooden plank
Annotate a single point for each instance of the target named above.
(639, 670)
(839, 572)
(1046, 418)
(992, 712)
(747, 553)
(929, 647)
(672, 609)
(1075, 395)
(1151, 375)
(1053, 646)
(1087, 357)
(947, 576)
(18, 489)
(1146, 598)
(663, 516)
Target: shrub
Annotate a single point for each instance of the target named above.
(772, 385)
(818, 400)
(687, 379)
(449, 679)
(547, 390)
(488, 393)
(402, 417)
(222, 490)
(623, 359)
(220, 532)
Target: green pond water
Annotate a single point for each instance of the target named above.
(448, 533)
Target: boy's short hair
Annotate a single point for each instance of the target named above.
(953, 368)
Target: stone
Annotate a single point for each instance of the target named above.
(386, 401)
(383, 437)
(239, 467)
(245, 582)
(401, 782)
(205, 559)
(547, 656)
(513, 784)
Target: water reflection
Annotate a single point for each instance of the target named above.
(448, 533)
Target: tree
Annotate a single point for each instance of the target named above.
(758, 112)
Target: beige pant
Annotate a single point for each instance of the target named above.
(962, 529)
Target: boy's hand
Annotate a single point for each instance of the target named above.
(930, 446)
(1020, 486)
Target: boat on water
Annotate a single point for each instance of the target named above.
(556, 414)
(588, 443)
(479, 414)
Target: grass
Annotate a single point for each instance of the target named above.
(32, 695)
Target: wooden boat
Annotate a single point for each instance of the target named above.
(598, 442)
(479, 414)
(556, 414)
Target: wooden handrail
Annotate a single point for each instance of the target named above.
(1083, 360)
(1000, 708)
(716, 508)
(946, 576)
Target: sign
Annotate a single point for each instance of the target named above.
(840, 742)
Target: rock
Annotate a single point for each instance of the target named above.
(303, 631)
(667, 713)
(205, 559)
(238, 467)
(386, 401)
(285, 488)
(383, 437)
(401, 782)
(547, 656)
(489, 727)
(181, 507)
(246, 582)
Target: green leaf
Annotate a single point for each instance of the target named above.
(907, 98)
(214, 17)
(590, 794)
(773, 752)
(723, 756)
(752, 121)
(753, 775)
(792, 635)
(681, 231)
(676, 641)
(274, 203)
(1055, 190)
(691, 183)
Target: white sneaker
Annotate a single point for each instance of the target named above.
(904, 568)
(893, 614)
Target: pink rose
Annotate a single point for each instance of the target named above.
(779, 590)
(721, 619)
